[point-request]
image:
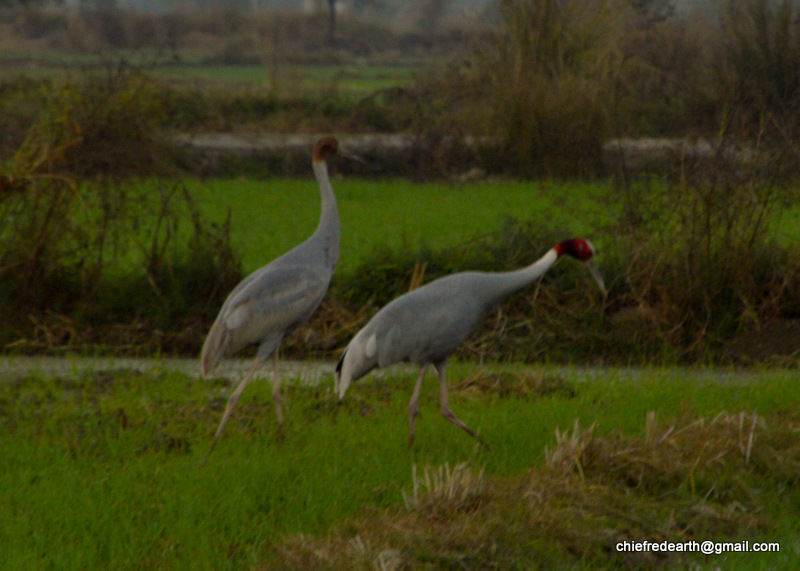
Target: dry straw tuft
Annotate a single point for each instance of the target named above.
(691, 454)
(444, 489)
(520, 385)
(685, 479)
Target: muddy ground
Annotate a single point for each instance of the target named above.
(776, 342)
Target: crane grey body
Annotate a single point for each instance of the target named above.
(426, 325)
(275, 300)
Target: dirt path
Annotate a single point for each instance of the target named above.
(12, 368)
(311, 372)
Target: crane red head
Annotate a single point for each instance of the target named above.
(324, 148)
(578, 248)
(583, 251)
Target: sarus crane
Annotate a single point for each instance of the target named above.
(275, 300)
(425, 325)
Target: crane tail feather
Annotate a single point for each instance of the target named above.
(340, 363)
(338, 374)
(214, 347)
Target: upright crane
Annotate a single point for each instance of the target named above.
(273, 301)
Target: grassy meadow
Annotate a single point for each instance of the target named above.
(101, 470)
(269, 217)
(284, 78)
(297, 78)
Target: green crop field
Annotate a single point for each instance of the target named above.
(351, 78)
(101, 470)
(285, 78)
(269, 217)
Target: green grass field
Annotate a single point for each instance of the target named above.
(287, 79)
(360, 79)
(269, 217)
(101, 470)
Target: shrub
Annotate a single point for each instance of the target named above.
(546, 76)
(84, 246)
(33, 22)
(103, 124)
(760, 54)
(702, 262)
(102, 255)
(664, 87)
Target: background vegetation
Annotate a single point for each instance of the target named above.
(105, 244)
(101, 470)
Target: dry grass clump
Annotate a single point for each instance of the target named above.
(520, 385)
(692, 454)
(694, 478)
(441, 491)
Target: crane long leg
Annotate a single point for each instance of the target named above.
(231, 404)
(447, 412)
(277, 398)
(413, 406)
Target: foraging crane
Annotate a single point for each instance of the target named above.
(426, 325)
(273, 301)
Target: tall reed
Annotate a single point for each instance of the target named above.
(546, 71)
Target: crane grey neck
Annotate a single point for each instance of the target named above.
(505, 283)
(327, 232)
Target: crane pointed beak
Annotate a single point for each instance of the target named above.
(595, 271)
(351, 156)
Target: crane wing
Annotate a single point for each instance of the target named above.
(425, 325)
(269, 304)
(276, 302)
